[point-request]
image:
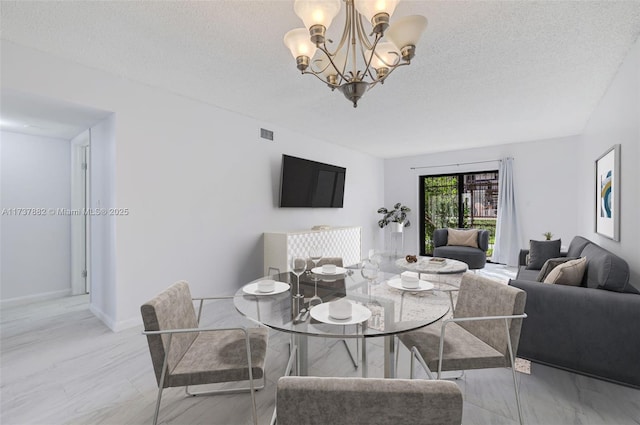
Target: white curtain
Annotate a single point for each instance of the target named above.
(507, 245)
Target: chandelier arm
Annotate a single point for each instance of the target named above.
(393, 68)
(345, 32)
(317, 75)
(313, 63)
(367, 63)
(391, 65)
(353, 47)
(362, 35)
(340, 72)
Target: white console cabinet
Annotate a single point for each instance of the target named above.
(343, 242)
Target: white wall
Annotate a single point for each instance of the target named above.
(615, 120)
(545, 176)
(200, 184)
(36, 249)
(102, 264)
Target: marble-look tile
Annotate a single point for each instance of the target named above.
(61, 365)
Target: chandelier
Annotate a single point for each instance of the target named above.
(358, 62)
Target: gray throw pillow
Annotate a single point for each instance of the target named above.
(550, 264)
(541, 251)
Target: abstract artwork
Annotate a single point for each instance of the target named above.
(607, 194)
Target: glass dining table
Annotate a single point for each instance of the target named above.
(381, 308)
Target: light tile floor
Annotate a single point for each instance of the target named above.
(60, 365)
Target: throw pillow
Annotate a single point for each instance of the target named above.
(541, 251)
(569, 273)
(462, 237)
(551, 264)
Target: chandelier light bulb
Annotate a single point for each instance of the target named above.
(405, 33)
(297, 40)
(371, 8)
(386, 55)
(325, 67)
(316, 12)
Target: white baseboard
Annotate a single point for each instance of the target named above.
(113, 325)
(103, 317)
(126, 324)
(18, 301)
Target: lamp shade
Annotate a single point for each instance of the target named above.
(297, 40)
(406, 31)
(324, 65)
(370, 8)
(386, 55)
(316, 12)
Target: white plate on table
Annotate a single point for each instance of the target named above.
(318, 270)
(359, 314)
(423, 285)
(252, 289)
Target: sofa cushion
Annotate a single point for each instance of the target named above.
(457, 237)
(541, 251)
(524, 274)
(474, 257)
(606, 270)
(551, 264)
(569, 273)
(576, 246)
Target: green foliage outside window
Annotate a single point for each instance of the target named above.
(441, 210)
(441, 206)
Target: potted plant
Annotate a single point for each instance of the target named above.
(397, 216)
(547, 235)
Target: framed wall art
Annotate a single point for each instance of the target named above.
(607, 191)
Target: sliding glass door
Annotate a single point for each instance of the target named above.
(465, 200)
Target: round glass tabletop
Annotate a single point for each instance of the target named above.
(392, 310)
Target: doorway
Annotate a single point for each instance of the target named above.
(463, 200)
(80, 213)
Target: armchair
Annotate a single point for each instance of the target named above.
(483, 333)
(184, 354)
(474, 253)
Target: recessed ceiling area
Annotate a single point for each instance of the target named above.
(38, 116)
(485, 72)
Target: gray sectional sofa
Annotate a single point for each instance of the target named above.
(592, 329)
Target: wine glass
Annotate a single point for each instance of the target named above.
(315, 254)
(375, 256)
(298, 266)
(369, 270)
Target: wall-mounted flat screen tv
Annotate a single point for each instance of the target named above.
(306, 183)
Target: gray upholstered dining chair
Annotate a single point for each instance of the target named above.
(338, 262)
(184, 354)
(483, 333)
(325, 260)
(371, 401)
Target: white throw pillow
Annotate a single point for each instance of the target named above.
(569, 273)
(462, 237)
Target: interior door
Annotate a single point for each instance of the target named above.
(80, 219)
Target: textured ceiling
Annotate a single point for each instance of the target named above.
(39, 116)
(486, 72)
